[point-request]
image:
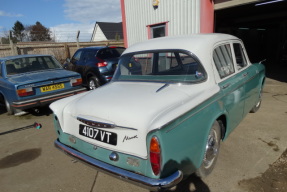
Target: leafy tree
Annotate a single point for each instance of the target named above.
(38, 32)
(18, 30)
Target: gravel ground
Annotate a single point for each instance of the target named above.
(273, 179)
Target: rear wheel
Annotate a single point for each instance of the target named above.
(9, 109)
(211, 151)
(93, 83)
(258, 104)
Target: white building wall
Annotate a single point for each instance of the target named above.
(98, 34)
(183, 17)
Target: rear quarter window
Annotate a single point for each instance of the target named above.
(222, 57)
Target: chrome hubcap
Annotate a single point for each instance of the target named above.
(260, 95)
(92, 85)
(211, 149)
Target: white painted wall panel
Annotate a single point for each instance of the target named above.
(183, 17)
(98, 35)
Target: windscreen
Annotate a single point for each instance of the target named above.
(163, 66)
(30, 64)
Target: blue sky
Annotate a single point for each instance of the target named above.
(63, 17)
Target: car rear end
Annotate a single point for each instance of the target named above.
(41, 84)
(108, 58)
(45, 91)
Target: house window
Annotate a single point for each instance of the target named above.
(157, 30)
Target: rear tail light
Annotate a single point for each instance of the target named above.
(25, 92)
(76, 82)
(155, 155)
(101, 63)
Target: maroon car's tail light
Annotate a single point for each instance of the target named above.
(25, 92)
(76, 82)
(101, 63)
(155, 155)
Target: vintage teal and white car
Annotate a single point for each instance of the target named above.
(163, 115)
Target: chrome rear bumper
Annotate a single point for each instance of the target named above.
(145, 182)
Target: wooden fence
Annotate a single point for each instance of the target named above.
(61, 51)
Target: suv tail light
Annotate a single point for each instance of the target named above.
(101, 63)
(76, 82)
(155, 155)
(25, 92)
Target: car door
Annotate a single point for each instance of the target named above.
(76, 63)
(249, 74)
(88, 61)
(231, 85)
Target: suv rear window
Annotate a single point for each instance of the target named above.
(108, 53)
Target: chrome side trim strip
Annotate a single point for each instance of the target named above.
(140, 180)
(96, 123)
(101, 124)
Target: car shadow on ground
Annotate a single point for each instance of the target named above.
(42, 111)
(185, 185)
(2, 109)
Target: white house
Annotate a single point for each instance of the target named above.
(104, 31)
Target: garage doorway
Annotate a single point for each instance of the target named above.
(263, 28)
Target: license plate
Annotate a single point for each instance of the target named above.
(98, 134)
(52, 87)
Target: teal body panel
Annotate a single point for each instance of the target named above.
(183, 140)
(232, 91)
(253, 85)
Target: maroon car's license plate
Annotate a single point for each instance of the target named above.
(98, 134)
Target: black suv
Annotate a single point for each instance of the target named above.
(95, 64)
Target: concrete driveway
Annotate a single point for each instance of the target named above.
(29, 161)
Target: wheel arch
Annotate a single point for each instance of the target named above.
(1, 98)
(222, 119)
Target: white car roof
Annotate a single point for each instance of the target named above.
(201, 45)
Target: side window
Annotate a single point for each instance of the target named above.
(222, 58)
(88, 56)
(76, 56)
(241, 61)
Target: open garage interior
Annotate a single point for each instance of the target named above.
(262, 25)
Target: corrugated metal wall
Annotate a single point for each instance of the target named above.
(183, 17)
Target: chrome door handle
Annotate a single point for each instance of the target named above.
(225, 86)
(245, 74)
